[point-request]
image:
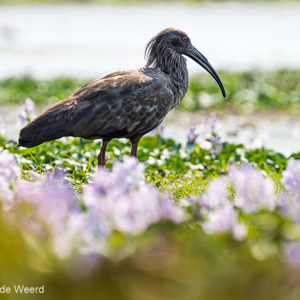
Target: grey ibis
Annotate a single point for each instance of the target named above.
(125, 104)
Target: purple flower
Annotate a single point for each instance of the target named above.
(214, 197)
(159, 129)
(290, 200)
(117, 200)
(129, 174)
(220, 219)
(253, 190)
(290, 205)
(22, 118)
(192, 135)
(27, 113)
(29, 107)
(293, 253)
(216, 145)
(223, 219)
(7, 195)
(291, 176)
(121, 200)
(57, 175)
(220, 213)
(211, 125)
(239, 230)
(198, 205)
(52, 199)
(52, 204)
(9, 171)
(170, 211)
(135, 212)
(216, 193)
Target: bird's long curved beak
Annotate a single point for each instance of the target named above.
(199, 58)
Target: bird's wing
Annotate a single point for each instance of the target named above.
(121, 104)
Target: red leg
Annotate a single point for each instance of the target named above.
(101, 156)
(134, 150)
(134, 146)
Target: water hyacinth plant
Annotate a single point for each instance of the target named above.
(27, 114)
(290, 199)
(211, 125)
(226, 209)
(291, 176)
(9, 171)
(159, 129)
(121, 200)
(51, 212)
(253, 190)
(191, 138)
(293, 253)
(118, 200)
(192, 135)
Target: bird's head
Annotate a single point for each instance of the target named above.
(173, 41)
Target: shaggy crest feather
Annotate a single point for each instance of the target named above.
(159, 53)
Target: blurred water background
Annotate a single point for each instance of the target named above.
(91, 40)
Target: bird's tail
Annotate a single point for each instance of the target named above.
(51, 125)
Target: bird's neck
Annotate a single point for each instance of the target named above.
(172, 64)
(175, 66)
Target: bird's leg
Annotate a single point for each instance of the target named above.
(134, 146)
(134, 149)
(101, 156)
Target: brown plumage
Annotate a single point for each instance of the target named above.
(126, 104)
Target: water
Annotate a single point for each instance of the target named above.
(280, 133)
(91, 40)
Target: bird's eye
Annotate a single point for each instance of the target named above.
(185, 38)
